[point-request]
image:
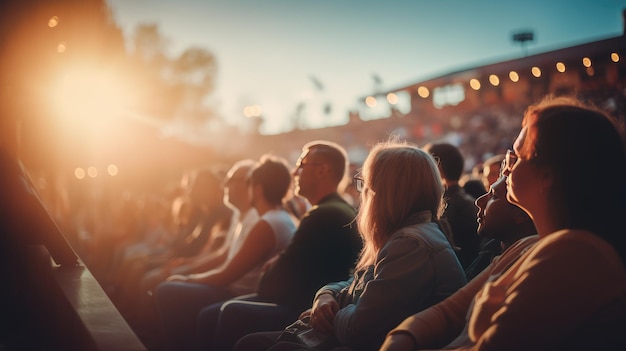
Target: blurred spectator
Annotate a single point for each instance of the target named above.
(407, 263)
(324, 249)
(460, 212)
(180, 298)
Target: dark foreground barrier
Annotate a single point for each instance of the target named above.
(48, 298)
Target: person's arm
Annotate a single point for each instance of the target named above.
(201, 264)
(326, 305)
(255, 249)
(436, 326)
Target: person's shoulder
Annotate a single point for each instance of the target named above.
(427, 233)
(517, 249)
(571, 239)
(333, 205)
(523, 243)
(578, 246)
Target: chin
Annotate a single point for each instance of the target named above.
(511, 199)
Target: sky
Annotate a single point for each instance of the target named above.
(327, 55)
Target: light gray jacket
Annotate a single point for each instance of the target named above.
(415, 269)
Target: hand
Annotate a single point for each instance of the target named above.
(323, 313)
(398, 342)
(305, 314)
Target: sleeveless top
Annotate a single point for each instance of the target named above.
(283, 227)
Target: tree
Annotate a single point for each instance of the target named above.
(175, 88)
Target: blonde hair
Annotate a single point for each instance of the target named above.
(400, 180)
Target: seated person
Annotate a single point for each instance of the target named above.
(180, 298)
(500, 223)
(245, 216)
(460, 212)
(568, 291)
(327, 230)
(407, 263)
(512, 230)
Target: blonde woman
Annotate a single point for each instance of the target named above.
(407, 263)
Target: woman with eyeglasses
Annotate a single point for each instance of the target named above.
(568, 292)
(407, 263)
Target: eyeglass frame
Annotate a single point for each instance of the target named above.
(359, 183)
(510, 159)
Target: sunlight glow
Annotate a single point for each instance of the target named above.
(53, 21)
(112, 170)
(79, 173)
(82, 92)
(61, 47)
(370, 101)
(252, 111)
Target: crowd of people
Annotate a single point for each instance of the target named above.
(526, 253)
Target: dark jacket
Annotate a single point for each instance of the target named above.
(324, 249)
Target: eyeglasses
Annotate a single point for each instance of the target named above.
(359, 183)
(509, 161)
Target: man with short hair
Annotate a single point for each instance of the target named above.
(460, 211)
(324, 249)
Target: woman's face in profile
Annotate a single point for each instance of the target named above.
(522, 182)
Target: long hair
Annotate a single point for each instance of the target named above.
(400, 180)
(584, 150)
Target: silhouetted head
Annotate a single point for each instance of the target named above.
(273, 176)
(320, 169)
(451, 162)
